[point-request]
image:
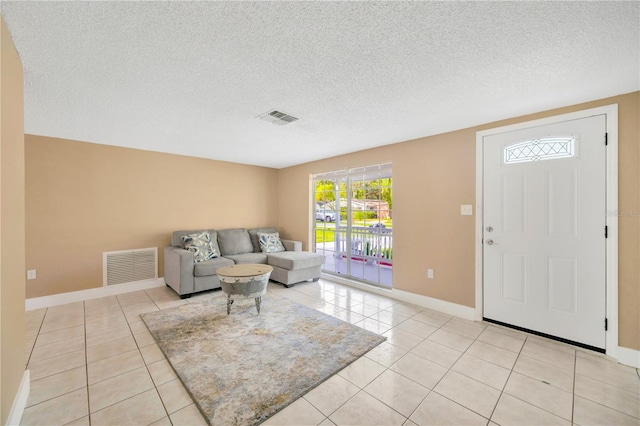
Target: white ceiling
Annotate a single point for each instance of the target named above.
(191, 77)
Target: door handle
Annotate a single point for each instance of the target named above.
(490, 242)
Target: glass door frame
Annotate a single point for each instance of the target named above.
(364, 240)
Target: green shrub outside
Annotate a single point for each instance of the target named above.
(362, 215)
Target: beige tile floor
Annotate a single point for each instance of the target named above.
(95, 363)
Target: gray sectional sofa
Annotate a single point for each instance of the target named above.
(238, 245)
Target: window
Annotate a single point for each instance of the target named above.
(353, 222)
(540, 150)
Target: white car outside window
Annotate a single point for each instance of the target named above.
(325, 215)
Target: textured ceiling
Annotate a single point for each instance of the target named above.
(191, 77)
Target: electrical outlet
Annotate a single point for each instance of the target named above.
(466, 209)
(31, 274)
(429, 273)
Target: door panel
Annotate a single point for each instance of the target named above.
(514, 206)
(561, 202)
(514, 277)
(562, 284)
(544, 217)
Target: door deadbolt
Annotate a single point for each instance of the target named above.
(489, 228)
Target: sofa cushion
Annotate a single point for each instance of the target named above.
(234, 241)
(248, 258)
(292, 260)
(200, 245)
(209, 267)
(253, 233)
(270, 242)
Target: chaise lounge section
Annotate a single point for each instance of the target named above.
(235, 246)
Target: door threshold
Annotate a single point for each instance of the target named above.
(547, 336)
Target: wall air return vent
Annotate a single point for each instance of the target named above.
(127, 266)
(278, 117)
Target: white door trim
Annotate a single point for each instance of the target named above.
(611, 112)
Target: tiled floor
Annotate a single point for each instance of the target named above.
(95, 363)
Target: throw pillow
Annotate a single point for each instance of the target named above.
(201, 246)
(270, 243)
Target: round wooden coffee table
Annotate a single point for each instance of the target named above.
(244, 281)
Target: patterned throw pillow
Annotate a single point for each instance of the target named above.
(201, 246)
(270, 243)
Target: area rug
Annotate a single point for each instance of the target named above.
(243, 368)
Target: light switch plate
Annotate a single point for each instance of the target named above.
(31, 274)
(466, 209)
(429, 273)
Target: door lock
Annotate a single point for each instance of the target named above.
(489, 228)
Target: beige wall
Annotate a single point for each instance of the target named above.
(433, 176)
(84, 199)
(629, 221)
(12, 224)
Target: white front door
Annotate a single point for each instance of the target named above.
(544, 229)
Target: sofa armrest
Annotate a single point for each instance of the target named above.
(291, 245)
(178, 270)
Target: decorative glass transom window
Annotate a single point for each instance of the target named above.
(539, 150)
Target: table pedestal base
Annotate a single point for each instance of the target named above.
(230, 302)
(244, 282)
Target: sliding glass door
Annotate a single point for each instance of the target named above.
(353, 223)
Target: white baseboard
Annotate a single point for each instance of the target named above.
(443, 306)
(20, 402)
(628, 356)
(92, 293)
(440, 305)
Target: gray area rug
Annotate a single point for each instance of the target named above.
(243, 368)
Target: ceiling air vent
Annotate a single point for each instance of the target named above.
(278, 117)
